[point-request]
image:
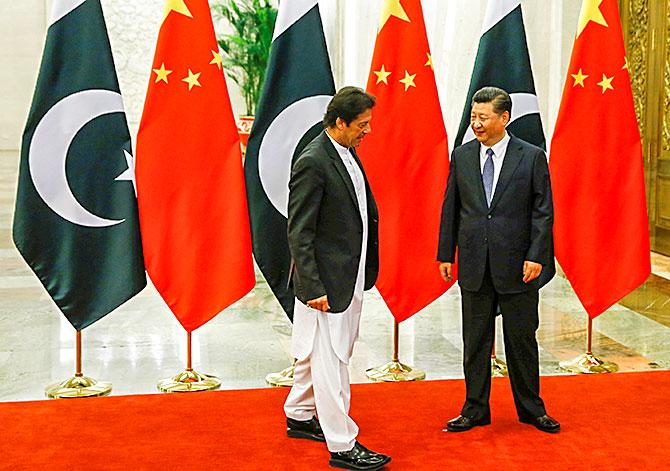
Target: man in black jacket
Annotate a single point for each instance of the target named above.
(332, 235)
(498, 212)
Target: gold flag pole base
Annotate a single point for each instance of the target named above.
(283, 378)
(396, 372)
(498, 367)
(189, 381)
(587, 363)
(78, 386)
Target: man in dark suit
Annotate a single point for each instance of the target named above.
(332, 235)
(498, 212)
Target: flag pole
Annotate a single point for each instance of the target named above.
(189, 380)
(78, 385)
(498, 366)
(283, 377)
(394, 370)
(587, 363)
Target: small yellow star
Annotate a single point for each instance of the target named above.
(408, 80)
(162, 74)
(382, 75)
(217, 59)
(590, 12)
(579, 78)
(625, 63)
(392, 8)
(429, 62)
(606, 83)
(176, 5)
(192, 80)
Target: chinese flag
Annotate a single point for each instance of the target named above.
(406, 158)
(190, 185)
(601, 229)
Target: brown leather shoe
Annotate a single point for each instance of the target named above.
(309, 429)
(463, 424)
(358, 458)
(543, 423)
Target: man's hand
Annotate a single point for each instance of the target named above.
(445, 271)
(320, 304)
(531, 270)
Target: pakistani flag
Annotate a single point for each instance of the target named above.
(76, 211)
(502, 61)
(298, 86)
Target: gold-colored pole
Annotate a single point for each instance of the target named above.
(394, 370)
(588, 363)
(498, 366)
(283, 378)
(189, 380)
(78, 385)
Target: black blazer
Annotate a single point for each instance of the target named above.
(517, 227)
(325, 230)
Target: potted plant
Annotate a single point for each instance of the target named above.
(246, 49)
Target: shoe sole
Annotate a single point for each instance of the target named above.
(479, 424)
(529, 422)
(343, 465)
(305, 435)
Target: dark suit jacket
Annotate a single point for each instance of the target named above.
(325, 230)
(517, 227)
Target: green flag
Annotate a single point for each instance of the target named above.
(76, 218)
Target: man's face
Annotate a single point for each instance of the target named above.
(352, 135)
(489, 126)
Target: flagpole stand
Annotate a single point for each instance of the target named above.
(283, 378)
(189, 380)
(587, 363)
(498, 366)
(78, 385)
(394, 370)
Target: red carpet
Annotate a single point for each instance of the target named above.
(615, 421)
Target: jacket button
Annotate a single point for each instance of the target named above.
(488, 216)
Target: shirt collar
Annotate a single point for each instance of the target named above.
(341, 150)
(499, 147)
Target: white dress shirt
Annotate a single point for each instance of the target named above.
(499, 151)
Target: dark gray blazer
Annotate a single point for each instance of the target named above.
(517, 227)
(325, 230)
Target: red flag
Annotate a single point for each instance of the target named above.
(601, 227)
(190, 185)
(406, 158)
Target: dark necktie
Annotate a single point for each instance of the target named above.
(487, 176)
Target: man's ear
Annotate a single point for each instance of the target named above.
(505, 117)
(339, 122)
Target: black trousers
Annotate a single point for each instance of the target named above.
(520, 323)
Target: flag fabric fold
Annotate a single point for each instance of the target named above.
(601, 227)
(406, 158)
(298, 86)
(191, 195)
(503, 61)
(76, 222)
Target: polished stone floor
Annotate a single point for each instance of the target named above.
(141, 342)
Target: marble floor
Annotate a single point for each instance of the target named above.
(141, 342)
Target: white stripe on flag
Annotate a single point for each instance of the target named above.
(496, 10)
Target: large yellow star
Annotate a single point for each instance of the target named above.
(192, 80)
(579, 78)
(590, 12)
(606, 83)
(429, 61)
(408, 80)
(392, 8)
(217, 59)
(382, 75)
(176, 5)
(162, 74)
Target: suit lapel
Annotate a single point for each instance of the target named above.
(474, 169)
(513, 157)
(341, 168)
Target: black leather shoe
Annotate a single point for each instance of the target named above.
(463, 424)
(358, 457)
(309, 429)
(544, 423)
